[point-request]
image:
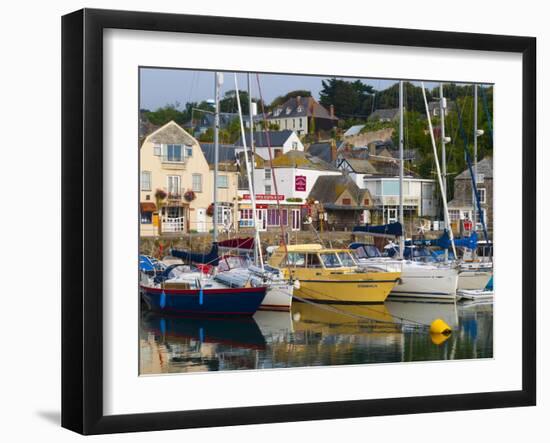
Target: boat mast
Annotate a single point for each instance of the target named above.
(249, 176)
(474, 187)
(436, 159)
(252, 148)
(218, 81)
(401, 217)
(442, 108)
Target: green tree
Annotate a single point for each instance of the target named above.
(348, 98)
(277, 101)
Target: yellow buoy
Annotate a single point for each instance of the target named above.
(438, 326)
(438, 339)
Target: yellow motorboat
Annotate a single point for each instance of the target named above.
(327, 275)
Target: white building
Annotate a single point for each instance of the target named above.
(296, 173)
(280, 142)
(381, 178)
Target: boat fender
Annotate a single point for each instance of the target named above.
(296, 284)
(438, 326)
(201, 296)
(162, 299)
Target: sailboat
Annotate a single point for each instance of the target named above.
(241, 272)
(418, 279)
(185, 289)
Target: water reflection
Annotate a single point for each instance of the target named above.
(314, 336)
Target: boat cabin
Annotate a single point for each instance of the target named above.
(312, 256)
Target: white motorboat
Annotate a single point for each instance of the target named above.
(418, 280)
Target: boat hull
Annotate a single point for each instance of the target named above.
(278, 297)
(426, 282)
(473, 279)
(218, 301)
(353, 288)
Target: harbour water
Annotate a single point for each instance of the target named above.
(313, 335)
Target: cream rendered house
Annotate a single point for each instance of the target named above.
(172, 161)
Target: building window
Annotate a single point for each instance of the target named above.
(482, 195)
(390, 187)
(295, 145)
(293, 123)
(222, 181)
(454, 215)
(197, 183)
(224, 215)
(480, 178)
(267, 172)
(276, 218)
(157, 149)
(146, 218)
(288, 110)
(174, 153)
(145, 180)
(246, 219)
(346, 201)
(301, 123)
(268, 189)
(406, 187)
(189, 152)
(366, 202)
(174, 184)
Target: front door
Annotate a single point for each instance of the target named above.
(201, 220)
(391, 215)
(261, 219)
(296, 219)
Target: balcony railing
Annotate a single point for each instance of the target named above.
(174, 195)
(173, 159)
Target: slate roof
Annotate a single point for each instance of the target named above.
(226, 153)
(383, 167)
(328, 188)
(172, 133)
(301, 107)
(302, 160)
(321, 150)
(276, 138)
(384, 114)
(485, 167)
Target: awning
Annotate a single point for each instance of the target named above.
(148, 207)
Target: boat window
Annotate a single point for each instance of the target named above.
(346, 259)
(297, 259)
(372, 251)
(330, 260)
(313, 261)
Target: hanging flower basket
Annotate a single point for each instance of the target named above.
(160, 194)
(210, 210)
(189, 195)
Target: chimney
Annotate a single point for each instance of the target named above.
(372, 148)
(332, 111)
(333, 151)
(298, 100)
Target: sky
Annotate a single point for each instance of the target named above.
(159, 87)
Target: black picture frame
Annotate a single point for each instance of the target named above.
(82, 218)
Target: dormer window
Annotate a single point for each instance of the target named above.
(288, 110)
(278, 112)
(299, 109)
(174, 153)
